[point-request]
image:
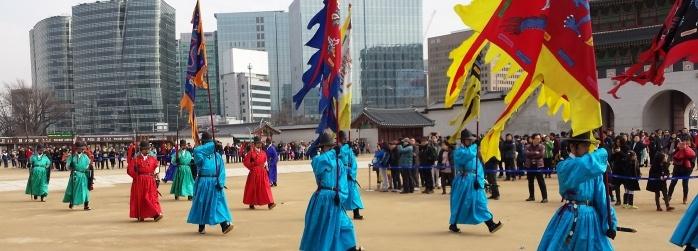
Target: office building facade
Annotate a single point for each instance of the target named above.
(263, 31)
(124, 65)
(52, 64)
(246, 86)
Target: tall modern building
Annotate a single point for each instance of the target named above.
(393, 76)
(264, 31)
(387, 30)
(247, 88)
(201, 106)
(51, 61)
(439, 49)
(124, 65)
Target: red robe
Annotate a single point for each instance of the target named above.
(257, 188)
(144, 193)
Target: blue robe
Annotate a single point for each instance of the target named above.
(172, 168)
(468, 205)
(347, 157)
(327, 226)
(272, 159)
(581, 180)
(210, 206)
(686, 231)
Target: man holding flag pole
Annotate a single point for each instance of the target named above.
(209, 206)
(327, 225)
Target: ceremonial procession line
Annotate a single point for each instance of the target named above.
(101, 181)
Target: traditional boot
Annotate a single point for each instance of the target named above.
(42, 198)
(87, 206)
(454, 228)
(251, 206)
(226, 227)
(157, 217)
(36, 197)
(357, 215)
(493, 227)
(202, 229)
(271, 206)
(70, 205)
(190, 198)
(176, 197)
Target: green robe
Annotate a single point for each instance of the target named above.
(37, 185)
(77, 192)
(183, 182)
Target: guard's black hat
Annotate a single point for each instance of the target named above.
(581, 138)
(466, 134)
(144, 144)
(182, 142)
(205, 137)
(325, 140)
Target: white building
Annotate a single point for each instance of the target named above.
(240, 100)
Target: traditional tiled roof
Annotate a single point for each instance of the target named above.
(394, 118)
(626, 35)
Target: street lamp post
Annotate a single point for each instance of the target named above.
(249, 93)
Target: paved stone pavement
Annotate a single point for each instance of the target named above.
(59, 184)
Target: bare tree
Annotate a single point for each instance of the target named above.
(28, 110)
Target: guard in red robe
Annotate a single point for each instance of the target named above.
(257, 188)
(144, 192)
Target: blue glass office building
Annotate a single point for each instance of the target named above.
(124, 65)
(51, 61)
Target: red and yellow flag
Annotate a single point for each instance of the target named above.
(549, 41)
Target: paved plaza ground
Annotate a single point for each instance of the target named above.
(393, 221)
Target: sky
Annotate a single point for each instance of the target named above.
(20, 16)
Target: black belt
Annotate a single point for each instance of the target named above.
(326, 188)
(208, 176)
(579, 203)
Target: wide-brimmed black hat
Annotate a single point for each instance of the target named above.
(581, 138)
(80, 144)
(466, 134)
(257, 139)
(144, 144)
(40, 147)
(205, 137)
(182, 142)
(325, 140)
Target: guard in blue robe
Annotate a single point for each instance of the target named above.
(172, 167)
(346, 155)
(468, 198)
(210, 206)
(272, 160)
(327, 226)
(686, 233)
(586, 221)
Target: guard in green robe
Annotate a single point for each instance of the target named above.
(183, 182)
(77, 192)
(39, 174)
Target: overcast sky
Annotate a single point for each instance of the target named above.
(20, 16)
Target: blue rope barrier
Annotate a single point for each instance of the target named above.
(538, 170)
